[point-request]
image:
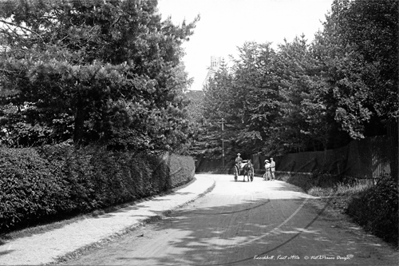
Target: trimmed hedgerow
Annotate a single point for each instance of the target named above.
(180, 167)
(30, 188)
(57, 181)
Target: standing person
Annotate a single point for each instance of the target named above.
(272, 168)
(267, 170)
(239, 161)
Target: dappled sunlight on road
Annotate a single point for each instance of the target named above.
(241, 223)
(294, 231)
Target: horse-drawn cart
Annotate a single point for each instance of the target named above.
(246, 169)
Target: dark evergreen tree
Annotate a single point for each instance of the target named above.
(107, 71)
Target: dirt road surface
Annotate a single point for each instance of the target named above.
(247, 223)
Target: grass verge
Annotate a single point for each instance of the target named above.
(374, 207)
(340, 196)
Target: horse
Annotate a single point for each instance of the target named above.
(247, 171)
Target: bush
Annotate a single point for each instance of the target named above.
(376, 209)
(58, 181)
(30, 188)
(161, 179)
(75, 166)
(99, 178)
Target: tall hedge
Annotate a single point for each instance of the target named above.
(30, 187)
(55, 181)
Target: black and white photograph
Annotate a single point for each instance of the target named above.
(199, 132)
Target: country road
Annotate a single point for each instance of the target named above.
(247, 223)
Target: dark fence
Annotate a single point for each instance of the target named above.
(364, 159)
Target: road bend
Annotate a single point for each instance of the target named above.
(247, 223)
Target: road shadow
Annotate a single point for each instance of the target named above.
(5, 252)
(259, 231)
(246, 224)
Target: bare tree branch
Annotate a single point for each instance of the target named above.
(21, 27)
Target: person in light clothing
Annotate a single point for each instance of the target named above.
(272, 168)
(266, 176)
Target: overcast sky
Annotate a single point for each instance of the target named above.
(227, 24)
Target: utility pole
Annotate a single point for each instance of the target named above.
(223, 142)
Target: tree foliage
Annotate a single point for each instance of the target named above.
(107, 71)
(358, 46)
(312, 95)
